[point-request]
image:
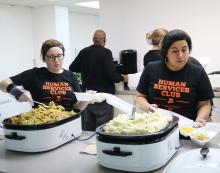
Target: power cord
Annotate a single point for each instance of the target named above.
(84, 138)
(179, 147)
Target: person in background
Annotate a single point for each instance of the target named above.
(95, 63)
(174, 83)
(154, 38)
(46, 84)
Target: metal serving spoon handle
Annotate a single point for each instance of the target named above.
(133, 113)
(33, 101)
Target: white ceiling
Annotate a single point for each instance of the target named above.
(67, 3)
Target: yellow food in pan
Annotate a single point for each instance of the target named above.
(42, 115)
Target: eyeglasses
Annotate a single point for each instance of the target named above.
(53, 58)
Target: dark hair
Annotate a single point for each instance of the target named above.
(49, 44)
(171, 37)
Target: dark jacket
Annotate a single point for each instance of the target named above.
(95, 63)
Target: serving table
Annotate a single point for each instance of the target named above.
(67, 158)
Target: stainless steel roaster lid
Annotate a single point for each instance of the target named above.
(193, 162)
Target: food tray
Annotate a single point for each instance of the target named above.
(8, 125)
(186, 129)
(210, 135)
(210, 129)
(100, 131)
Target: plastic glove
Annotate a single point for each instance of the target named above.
(153, 108)
(199, 124)
(25, 98)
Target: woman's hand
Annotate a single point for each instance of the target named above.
(125, 77)
(24, 98)
(80, 105)
(143, 104)
(209, 119)
(204, 112)
(152, 107)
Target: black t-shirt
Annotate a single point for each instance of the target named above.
(178, 91)
(96, 65)
(152, 55)
(45, 86)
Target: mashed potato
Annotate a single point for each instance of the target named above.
(142, 123)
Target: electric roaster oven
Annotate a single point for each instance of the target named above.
(41, 137)
(137, 153)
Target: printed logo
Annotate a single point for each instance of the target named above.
(56, 88)
(172, 90)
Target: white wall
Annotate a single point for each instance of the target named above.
(16, 40)
(50, 22)
(43, 29)
(62, 31)
(82, 27)
(22, 32)
(16, 51)
(127, 21)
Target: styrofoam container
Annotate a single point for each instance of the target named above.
(110, 99)
(84, 96)
(199, 141)
(210, 129)
(185, 132)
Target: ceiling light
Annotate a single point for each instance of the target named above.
(91, 4)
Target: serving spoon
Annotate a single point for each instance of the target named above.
(132, 116)
(46, 106)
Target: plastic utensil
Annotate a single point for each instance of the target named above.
(33, 101)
